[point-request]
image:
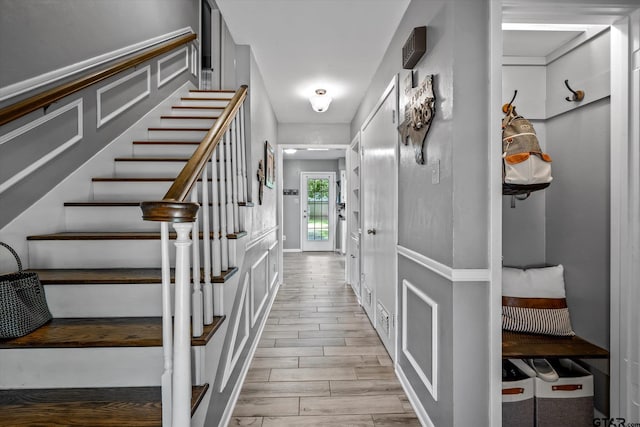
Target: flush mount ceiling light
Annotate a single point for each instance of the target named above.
(320, 101)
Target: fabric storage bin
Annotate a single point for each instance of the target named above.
(517, 397)
(567, 402)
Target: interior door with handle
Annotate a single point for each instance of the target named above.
(317, 211)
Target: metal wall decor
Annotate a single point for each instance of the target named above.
(418, 115)
(414, 47)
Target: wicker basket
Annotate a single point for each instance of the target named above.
(23, 305)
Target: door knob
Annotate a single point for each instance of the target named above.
(371, 231)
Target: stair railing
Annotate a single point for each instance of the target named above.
(194, 304)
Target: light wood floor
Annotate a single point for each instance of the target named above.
(319, 361)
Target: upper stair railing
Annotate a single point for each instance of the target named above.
(214, 178)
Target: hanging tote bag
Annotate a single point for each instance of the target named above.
(525, 167)
(23, 305)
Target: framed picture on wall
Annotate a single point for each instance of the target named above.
(270, 165)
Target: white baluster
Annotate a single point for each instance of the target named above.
(215, 208)
(196, 297)
(234, 171)
(182, 350)
(243, 150)
(229, 175)
(224, 243)
(207, 291)
(167, 326)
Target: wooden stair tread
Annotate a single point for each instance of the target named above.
(113, 276)
(117, 203)
(164, 142)
(213, 90)
(113, 406)
(521, 345)
(189, 117)
(196, 107)
(103, 332)
(188, 98)
(115, 235)
(138, 179)
(180, 129)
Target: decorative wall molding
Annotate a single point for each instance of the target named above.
(430, 383)
(413, 398)
(53, 76)
(292, 250)
(232, 357)
(194, 60)
(273, 264)
(78, 105)
(451, 274)
(184, 51)
(255, 312)
(103, 120)
(259, 237)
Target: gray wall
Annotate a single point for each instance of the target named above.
(447, 222)
(291, 204)
(38, 36)
(67, 32)
(313, 133)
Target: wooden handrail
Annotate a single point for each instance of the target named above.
(47, 97)
(174, 207)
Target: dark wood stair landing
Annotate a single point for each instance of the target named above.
(113, 276)
(114, 406)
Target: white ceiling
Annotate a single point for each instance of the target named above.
(302, 154)
(534, 43)
(303, 45)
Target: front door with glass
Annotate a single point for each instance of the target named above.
(317, 211)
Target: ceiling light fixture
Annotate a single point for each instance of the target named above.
(290, 150)
(320, 101)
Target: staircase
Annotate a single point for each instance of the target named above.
(100, 360)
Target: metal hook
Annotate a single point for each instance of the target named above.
(506, 107)
(577, 95)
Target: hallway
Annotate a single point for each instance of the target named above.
(319, 361)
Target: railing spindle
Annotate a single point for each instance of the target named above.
(243, 152)
(196, 298)
(215, 208)
(234, 172)
(224, 242)
(182, 349)
(207, 291)
(167, 326)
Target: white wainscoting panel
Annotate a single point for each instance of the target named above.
(413, 398)
(257, 281)
(77, 104)
(163, 81)
(194, 60)
(273, 264)
(430, 383)
(233, 356)
(103, 120)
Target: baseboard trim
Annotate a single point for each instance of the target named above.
(235, 394)
(413, 398)
(292, 250)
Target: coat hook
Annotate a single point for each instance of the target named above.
(577, 95)
(506, 107)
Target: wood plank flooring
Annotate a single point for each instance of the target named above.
(320, 362)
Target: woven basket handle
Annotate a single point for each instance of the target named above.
(15, 255)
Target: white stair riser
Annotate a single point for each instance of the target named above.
(187, 123)
(226, 95)
(203, 103)
(83, 367)
(135, 253)
(195, 112)
(107, 218)
(159, 169)
(175, 135)
(105, 300)
(132, 190)
(163, 150)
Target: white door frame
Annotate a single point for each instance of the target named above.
(305, 245)
(624, 234)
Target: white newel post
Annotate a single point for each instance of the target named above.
(207, 291)
(196, 298)
(181, 335)
(224, 243)
(167, 327)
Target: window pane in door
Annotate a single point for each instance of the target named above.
(318, 209)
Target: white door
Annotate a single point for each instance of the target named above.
(317, 211)
(379, 142)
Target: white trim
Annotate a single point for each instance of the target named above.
(32, 83)
(255, 313)
(194, 60)
(103, 120)
(524, 60)
(375, 109)
(232, 358)
(162, 82)
(272, 280)
(413, 398)
(273, 245)
(451, 274)
(53, 153)
(233, 399)
(313, 245)
(292, 250)
(260, 237)
(431, 384)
